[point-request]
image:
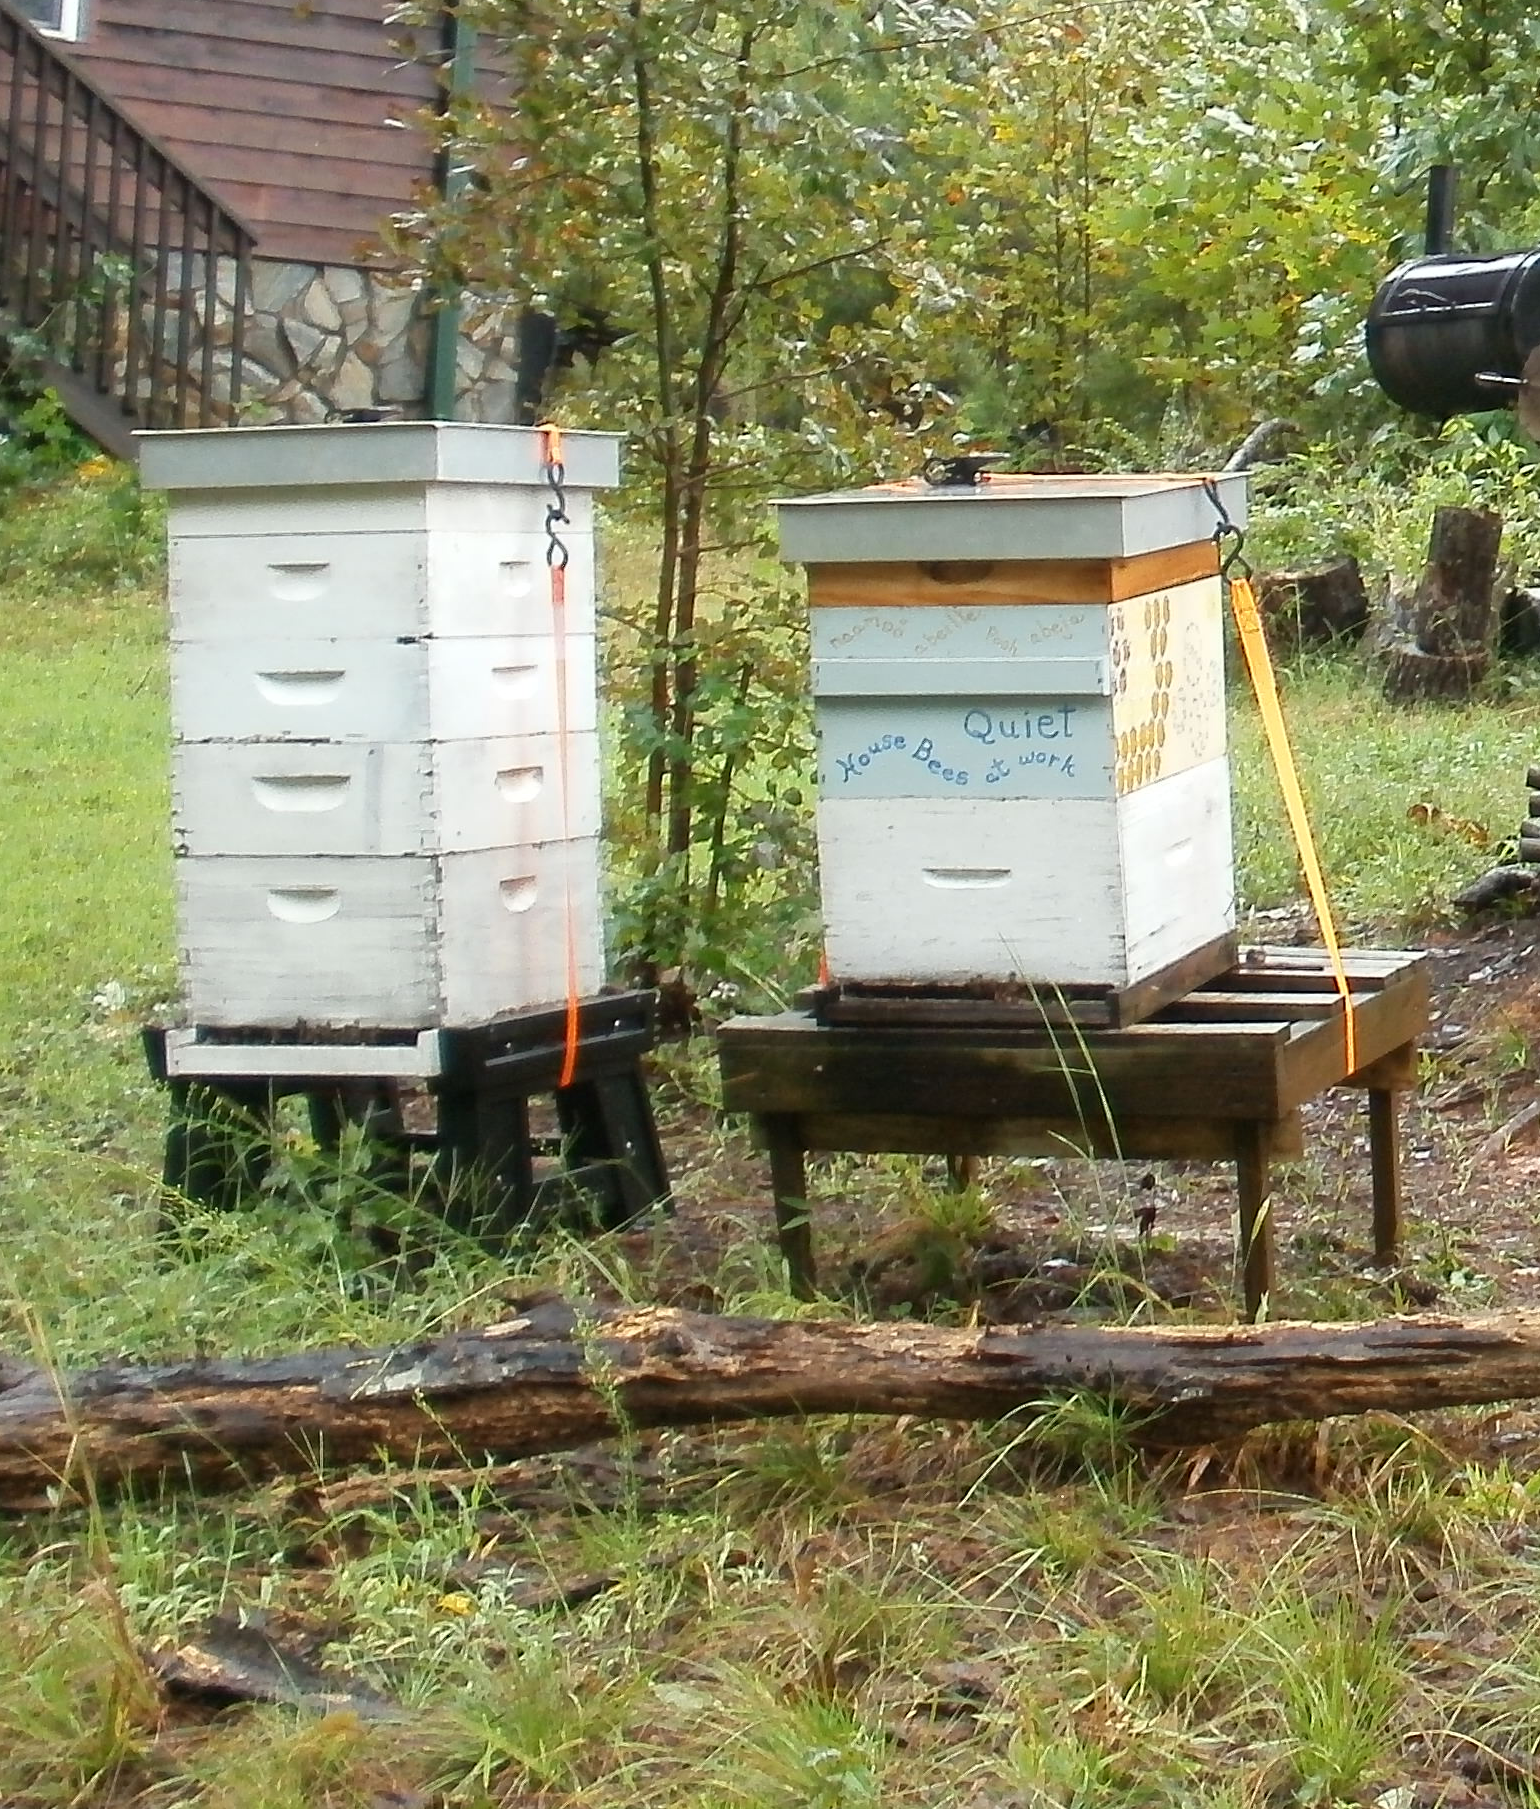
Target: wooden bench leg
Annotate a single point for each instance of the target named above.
(1256, 1226)
(788, 1183)
(961, 1173)
(1385, 1169)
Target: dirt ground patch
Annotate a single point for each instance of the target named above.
(1068, 1236)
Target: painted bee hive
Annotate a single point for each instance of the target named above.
(385, 759)
(1019, 698)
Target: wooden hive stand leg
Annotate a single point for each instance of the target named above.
(1255, 1217)
(328, 1118)
(961, 1173)
(1385, 1169)
(788, 1183)
(218, 1143)
(612, 1145)
(485, 1158)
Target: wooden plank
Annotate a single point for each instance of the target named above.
(948, 583)
(1396, 1072)
(1244, 1007)
(342, 170)
(193, 54)
(1261, 981)
(788, 1186)
(1254, 1219)
(1142, 1000)
(313, 31)
(852, 1010)
(267, 209)
(1385, 1165)
(1315, 1056)
(251, 128)
(357, 246)
(1144, 1071)
(118, 14)
(1132, 1139)
(1355, 961)
(140, 86)
(895, 1007)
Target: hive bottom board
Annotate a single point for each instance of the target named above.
(388, 943)
(1082, 892)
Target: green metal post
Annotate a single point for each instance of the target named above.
(449, 179)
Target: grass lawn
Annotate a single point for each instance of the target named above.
(832, 1615)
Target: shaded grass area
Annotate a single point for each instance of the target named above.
(836, 1614)
(1407, 805)
(832, 1615)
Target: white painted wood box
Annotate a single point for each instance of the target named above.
(385, 761)
(1019, 697)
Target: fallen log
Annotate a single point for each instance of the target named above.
(556, 1376)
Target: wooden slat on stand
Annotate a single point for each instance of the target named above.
(1220, 1073)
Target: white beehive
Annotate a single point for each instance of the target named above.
(385, 763)
(1019, 694)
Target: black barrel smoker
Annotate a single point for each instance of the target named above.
(1453, 333)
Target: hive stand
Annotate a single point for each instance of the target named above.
(1218, 1075)
(482, 1077)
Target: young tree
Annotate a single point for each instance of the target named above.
(694, 177)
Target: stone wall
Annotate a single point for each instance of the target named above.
(325, 338)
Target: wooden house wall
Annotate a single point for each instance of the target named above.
(301, 116)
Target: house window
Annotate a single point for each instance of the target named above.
(56, 18)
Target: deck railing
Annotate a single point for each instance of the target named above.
(116, 267)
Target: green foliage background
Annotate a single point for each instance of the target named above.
(834, 241)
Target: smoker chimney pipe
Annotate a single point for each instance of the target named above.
(1438, 235)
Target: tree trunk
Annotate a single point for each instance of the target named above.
(558, 1376)
(1448, 649)
(1319, 604)
(1452, 605)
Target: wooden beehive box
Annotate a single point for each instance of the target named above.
(379, 821)
(1019, 695)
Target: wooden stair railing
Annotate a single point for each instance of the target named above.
(123, 278)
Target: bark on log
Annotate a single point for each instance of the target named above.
(558, 1376)
(1315, 605)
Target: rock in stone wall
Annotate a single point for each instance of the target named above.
(324, 339)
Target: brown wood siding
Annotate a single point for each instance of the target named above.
(299, 115)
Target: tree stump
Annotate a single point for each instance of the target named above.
(1315, 605)
(1450, 613)
(1411, 674)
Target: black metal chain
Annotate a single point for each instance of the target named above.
(556, 553)
(1227, 534)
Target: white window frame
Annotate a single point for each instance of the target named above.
(71, 26)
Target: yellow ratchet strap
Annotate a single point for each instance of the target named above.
(1259, 664)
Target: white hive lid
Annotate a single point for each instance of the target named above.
(377, 452)
(1004, 517)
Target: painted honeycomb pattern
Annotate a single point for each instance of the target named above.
(1167, 656)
